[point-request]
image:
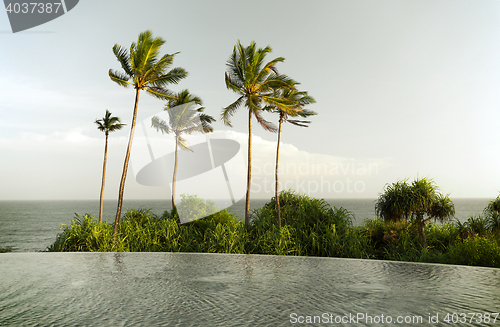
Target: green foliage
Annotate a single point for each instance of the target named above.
(477, 225)
(403, 201)
(5, 249)
(141, 230)
(492, 215)
(193, 207)
(474, 251)
(310, 228)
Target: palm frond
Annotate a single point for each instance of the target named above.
(301, 123)
(182, 143)
(230, 110)
(159, 68)
(234, 85)
(268, 126)
(174, 76)
(119, 78)
(123, 58)
(160, 92)
(160, 125)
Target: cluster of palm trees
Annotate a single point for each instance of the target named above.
(419, 201)
(259, 85)
(261, 88)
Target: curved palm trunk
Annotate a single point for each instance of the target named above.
(175, 174)
(249, 172)
(103, 177)
(125, 167)
(278, 208)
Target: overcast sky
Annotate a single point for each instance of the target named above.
(403, 88)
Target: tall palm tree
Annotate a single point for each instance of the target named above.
(106, 124)
(297, 100)
(183, 119)
(144, 70)
(255, 82)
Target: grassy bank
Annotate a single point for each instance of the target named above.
(310, 227)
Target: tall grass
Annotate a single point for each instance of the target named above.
(310, 227)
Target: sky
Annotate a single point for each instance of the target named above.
(403, 89)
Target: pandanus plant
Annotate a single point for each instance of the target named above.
(419, 201)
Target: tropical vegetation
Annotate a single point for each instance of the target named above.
(310, 227)
(419, 202)
(255, 82)
(184, 118)
(107, 124)
(297, 101)
(143, 69)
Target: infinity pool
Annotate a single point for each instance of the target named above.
(183, 289)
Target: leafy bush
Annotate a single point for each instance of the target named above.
(474, 251)
(310, 227)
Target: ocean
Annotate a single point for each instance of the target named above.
(31, 226)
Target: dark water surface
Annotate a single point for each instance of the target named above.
(30, 226)
(183, 289)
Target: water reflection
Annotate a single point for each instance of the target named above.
(187, 289)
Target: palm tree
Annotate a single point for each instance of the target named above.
(143, 70)
(297, 99)
(183, 119)
(255, 82)
(106, 124)
(416, 201)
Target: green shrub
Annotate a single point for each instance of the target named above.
(477, 225)
(474, 251)
(310, 227)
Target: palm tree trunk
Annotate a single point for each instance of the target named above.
(278, 208)
(421, 230)
(125, 167)
(249, 172)
(103, 177)
(175, 173)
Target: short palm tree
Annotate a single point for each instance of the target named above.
(183, 119)
(419, 201)
(107, 124)
(143, 70)
(297, 100)
(255, 82)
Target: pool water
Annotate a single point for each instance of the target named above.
(189, 289)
